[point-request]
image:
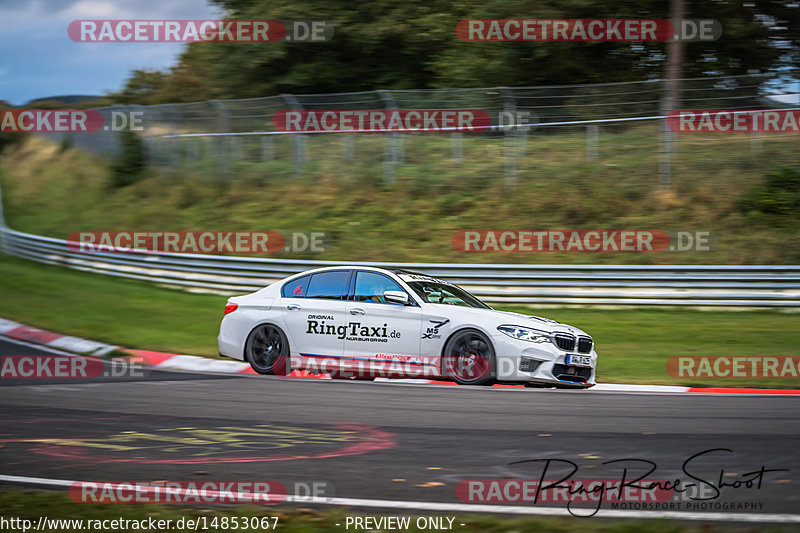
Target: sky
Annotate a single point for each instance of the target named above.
(38, 59)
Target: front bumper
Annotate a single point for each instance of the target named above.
(522, 361)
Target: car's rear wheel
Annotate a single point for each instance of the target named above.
(469, 358)
(267, 350)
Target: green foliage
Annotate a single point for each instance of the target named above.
(140, 87)
(66, 143)
(382, 44)
(413, 217)
(9, 138)
(130, 161)
(778, 196)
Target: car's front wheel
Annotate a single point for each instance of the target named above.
(469, 358)
(267, 350)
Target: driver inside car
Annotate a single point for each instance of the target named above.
(372, 292)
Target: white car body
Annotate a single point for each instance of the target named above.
(353, 336)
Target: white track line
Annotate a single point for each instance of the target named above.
(468, 507)
(39, 347)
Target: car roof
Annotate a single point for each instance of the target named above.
(348, 267)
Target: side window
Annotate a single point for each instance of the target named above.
(296, 288)
(329, 285)
(370, 287)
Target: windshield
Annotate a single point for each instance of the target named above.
(441, 293)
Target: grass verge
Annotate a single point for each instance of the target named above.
(53, 192)
(30, 505)
(633, 344)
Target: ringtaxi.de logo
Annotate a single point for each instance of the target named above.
(68, 121)
(189, 31)
(197, 242)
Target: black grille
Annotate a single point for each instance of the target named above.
(526, 364)
(565, 341)
(581, 373)
(584, 344)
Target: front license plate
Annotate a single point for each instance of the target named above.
(579, 360)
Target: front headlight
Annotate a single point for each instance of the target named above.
(524, 334)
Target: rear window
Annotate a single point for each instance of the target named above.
(296, 288)
(329, 285)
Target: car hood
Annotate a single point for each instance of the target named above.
(492, 318)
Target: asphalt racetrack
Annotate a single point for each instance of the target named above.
(387, 444)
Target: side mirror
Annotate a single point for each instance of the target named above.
(396, 297)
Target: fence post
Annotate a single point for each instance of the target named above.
(394, 141)
(457, 146)
(197, 144)
(347, 145)
(267, 149)
(591, 142)
(667, 140)
(756, 141)
(298, 139)
(509, 140)
(222, 143)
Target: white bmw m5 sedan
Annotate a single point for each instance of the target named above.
(364, 322)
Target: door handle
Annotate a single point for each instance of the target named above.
(356, 311)
(293, 307)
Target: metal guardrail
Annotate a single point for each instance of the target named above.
(686, 285)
